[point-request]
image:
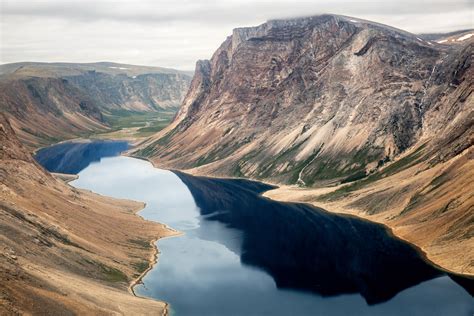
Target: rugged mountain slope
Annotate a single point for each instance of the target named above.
(48, 102)
(66, 251)
(45, 110)
(289, 96)
(457, 37)
(327, 100)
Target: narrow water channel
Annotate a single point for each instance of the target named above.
(242, 254)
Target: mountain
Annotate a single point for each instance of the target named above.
(58, 243)
(457, 37)
(379, 119)
(48, 102)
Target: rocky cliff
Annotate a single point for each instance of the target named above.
(314, 100)
(380, 118)
(50, 102)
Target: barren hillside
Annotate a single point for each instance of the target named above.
(66, 251)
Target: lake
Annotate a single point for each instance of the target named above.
(242, 254)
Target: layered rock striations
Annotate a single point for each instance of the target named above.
(382, 116)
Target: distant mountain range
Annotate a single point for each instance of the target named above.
(53, 101)
(350, 115)
(380, 118)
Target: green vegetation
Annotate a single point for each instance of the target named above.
(266, 169)
(403, 163)
(165, 139)
(142, 124)
(119, 119)
(113, 275)
(356, 176)
(350, 167)
(46, 138)
(298, 168)
(439, 181)
(153, 128)
(226, 149)
(210, 157)
(141, 243)
(419, 196)
(108, 273)
(147, 151)
(395, 167)
(141, 266)
(414, 200)
(237, 171)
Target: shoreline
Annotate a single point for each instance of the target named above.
(394, 231)
(152, 262)
(153, 259)
(391, 230)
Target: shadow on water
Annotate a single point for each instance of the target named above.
(72, 157)
(238, 245)
(307, 248)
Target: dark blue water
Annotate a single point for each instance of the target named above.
(72, 157)
(242, 254)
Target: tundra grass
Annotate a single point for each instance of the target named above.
(395, 167)
(127, 119)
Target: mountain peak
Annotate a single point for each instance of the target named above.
(310, 88)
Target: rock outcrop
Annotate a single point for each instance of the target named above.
(313, 100)
(382, 114)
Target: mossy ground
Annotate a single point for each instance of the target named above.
(395, 167)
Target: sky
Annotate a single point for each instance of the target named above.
(176, 33)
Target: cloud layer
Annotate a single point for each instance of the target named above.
(176, 33)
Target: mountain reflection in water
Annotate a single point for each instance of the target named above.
(72, 157)
(303, 247)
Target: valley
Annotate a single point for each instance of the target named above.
(50, 102)
(321, 164)
(58, 256)
(230, 238)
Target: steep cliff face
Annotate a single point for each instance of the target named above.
(145, 92)
(314, 100)
(363, 118)
(49, 102)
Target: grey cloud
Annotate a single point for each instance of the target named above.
(175, 33)
(219, 11)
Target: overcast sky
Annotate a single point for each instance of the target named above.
(175, 33)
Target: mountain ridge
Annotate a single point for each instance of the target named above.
(48, 102)
(360, 51)
(348, 107)
(104, 66)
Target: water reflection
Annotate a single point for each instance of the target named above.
(303, 247)
(242, 254)
(72, 157)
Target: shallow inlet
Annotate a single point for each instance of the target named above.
(242, 254)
